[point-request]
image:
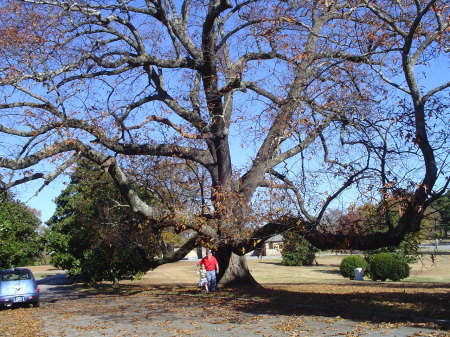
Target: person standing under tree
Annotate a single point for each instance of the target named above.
(212, 268)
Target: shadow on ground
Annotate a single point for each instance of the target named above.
(412, 304)
(409, 303)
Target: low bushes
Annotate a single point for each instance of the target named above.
(349, 263)
(382, 266)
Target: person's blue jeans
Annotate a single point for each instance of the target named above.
(211, 277)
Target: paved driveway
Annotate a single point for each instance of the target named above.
(69, 313)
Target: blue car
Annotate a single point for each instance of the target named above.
(18, 287)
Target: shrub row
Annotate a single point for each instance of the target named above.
(382, 266)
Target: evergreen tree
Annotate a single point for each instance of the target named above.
(20, 242)
(297, 251)
(442, 205)
(94, 233)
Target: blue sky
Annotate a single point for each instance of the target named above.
(44, 200)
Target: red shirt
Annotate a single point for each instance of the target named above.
(210, 263)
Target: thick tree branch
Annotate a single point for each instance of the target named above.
(174, 257)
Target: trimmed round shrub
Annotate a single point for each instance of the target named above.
(379, 266)
(384, 266)
(350, 263)
(399, 270)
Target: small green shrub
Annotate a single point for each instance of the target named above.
(379, 266)
(349, 263)
(384, 266)
(399, 270)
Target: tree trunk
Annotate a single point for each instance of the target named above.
(234, 271)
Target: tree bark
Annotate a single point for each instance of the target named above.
(234, 270)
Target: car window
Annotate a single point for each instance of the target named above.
(14, 275)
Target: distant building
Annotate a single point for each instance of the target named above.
(271, 247)
(196, 253)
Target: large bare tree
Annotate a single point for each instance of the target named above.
(279, 111)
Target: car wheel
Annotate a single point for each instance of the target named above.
(36, 304)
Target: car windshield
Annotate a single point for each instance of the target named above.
(13, 275)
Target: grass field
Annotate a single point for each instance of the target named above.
(430, 268)
(271, 271)
(436, 269)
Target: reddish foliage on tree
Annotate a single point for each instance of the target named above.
(351, 223)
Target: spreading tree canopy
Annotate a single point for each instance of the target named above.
(279, 110)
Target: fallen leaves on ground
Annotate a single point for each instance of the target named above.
(290, 310)
(21, 322)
